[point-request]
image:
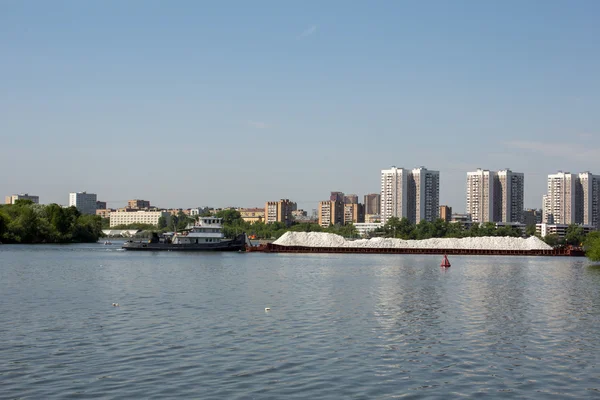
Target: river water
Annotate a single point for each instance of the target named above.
(340, 326)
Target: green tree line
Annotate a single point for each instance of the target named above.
(592, 246)
(233, 225)
(26, 222)
(404, 229)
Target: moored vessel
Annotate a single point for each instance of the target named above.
(205, 235)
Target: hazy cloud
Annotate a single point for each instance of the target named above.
(258, 124)
(308, 32)
(558, 150)
(585, 136)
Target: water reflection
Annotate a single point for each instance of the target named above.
(340, 326)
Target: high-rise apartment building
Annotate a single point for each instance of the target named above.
(410, 194)
(495, 196)
(279, 211)
(480, 195)
(25, 196)
(351, 199)
(83, 201)
(426, 194)
(446, 213)
(572, 199)
(588, 189)
(331, 213)
(337, 196)
(394, 193)
(511, 189)
(372, 203)
(559, 202)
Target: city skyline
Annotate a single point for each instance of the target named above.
(291, 100)
(499, 212)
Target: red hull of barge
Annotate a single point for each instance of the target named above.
(274, 248)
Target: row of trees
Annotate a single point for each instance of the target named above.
(592, 246)
(404, 229)
(394, 228)
(26, 222)
(233, 225)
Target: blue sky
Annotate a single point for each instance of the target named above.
(193, 103)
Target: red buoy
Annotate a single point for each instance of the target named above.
(445, 262)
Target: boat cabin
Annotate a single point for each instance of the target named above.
(205, 231)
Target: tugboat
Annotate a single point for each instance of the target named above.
(204, 235)
(445, 262)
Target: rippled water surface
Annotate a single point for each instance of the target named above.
(340, 326)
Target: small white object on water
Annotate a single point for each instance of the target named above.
(267, 309)
(115, 304)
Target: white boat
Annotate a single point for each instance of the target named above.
(205, 230)
(205, 235)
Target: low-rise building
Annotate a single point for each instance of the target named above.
(252, 215)
(464, 219)
(104, 213)
(446, 213)
(198, 211)
(306, 219)
(559, 230)
(138, 204)
(516, 225)
(100, 205)
(532, 216)
(25, 196)
(299, 213)
(372, 218)
(364, 228)
(137, 217)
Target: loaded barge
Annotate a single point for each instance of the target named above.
(566, 251)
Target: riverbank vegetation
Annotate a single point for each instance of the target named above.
(233, 225)
(592, 246)
(26, 222)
